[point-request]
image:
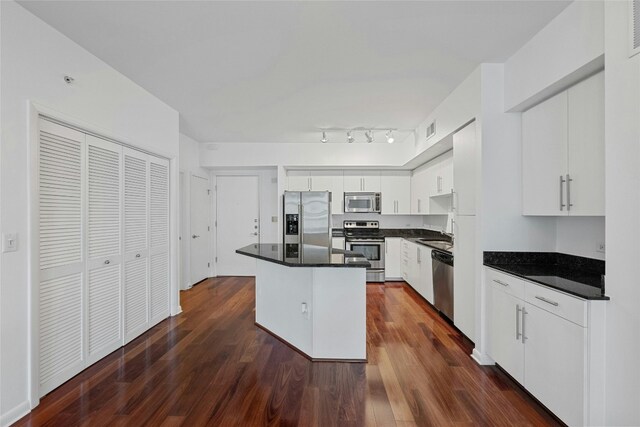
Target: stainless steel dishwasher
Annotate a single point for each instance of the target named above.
(442, 265)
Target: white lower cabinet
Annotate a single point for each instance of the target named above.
(554, 363)
(540, 337)
(416, 268)
(392, 258)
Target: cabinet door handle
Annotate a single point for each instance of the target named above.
(418, 205)
(500, 282)
(518, 334)
(548, 301)
(137, 255)
(453, 198)
(107, 262)
(569, 204)
(561, 192)
(524, 312)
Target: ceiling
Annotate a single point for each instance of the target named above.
(279, 71)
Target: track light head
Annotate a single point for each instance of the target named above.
(369, 135)
(389, 135)
(350, 138)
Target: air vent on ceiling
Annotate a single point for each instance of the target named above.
(634, 27)
(431, 129)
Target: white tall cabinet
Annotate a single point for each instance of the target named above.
(466, 254)
(103, 240)
(396, 192)
(563, 152)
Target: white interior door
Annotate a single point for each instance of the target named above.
(238, 216)
(199, 230)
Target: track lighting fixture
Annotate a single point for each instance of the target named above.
(389, 135)
(350, 138)
(369, 135)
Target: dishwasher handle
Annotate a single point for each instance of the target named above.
(443, 257)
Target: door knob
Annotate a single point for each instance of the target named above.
(255, 234)
(195, 236)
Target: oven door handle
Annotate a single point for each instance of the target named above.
(365, 241)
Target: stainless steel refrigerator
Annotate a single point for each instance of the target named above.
(307, 218)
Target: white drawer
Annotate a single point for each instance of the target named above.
(505, 282)
(566, 306)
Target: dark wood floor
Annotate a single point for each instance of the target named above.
(212, 366)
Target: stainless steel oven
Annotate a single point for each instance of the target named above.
(362, 202)
(363, 237)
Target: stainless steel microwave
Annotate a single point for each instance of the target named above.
(362, 202)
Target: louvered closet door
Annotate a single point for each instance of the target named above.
(60, 286)
(104, 247)
(159, 239)
(136, 252)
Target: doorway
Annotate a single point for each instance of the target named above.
(238, 223)
(199, 229)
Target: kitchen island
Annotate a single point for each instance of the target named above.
(313, 298)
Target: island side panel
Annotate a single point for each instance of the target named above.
(280, 293)
(340, 313)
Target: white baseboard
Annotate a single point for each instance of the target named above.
(482, 358)
(15, 414)
(176, 310)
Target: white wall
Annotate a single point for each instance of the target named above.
(239, 155)
(503, 228)
(460, 107)
(35, 57)
(622, 168)
(580, 235)
(565, 51)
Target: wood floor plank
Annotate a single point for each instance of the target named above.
(211, 365)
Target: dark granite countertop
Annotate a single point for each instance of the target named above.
(399, 232)
(294, 255)
(412, 234)
(579, 276)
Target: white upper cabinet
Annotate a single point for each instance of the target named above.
(444, 181)
(396, 192)
(361, 181)
(331, 181)
(585, 129)
(563, 152)
(419, 191)
(464, 170)
(298, 181)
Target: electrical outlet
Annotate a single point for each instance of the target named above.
(600, 247)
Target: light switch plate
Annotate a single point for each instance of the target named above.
(9, 242)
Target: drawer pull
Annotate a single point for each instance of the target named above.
(500, 283)
(548, 301)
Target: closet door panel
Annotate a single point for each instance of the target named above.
(159, 239)
(104, 247)
(136, 253)
(60, 230)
